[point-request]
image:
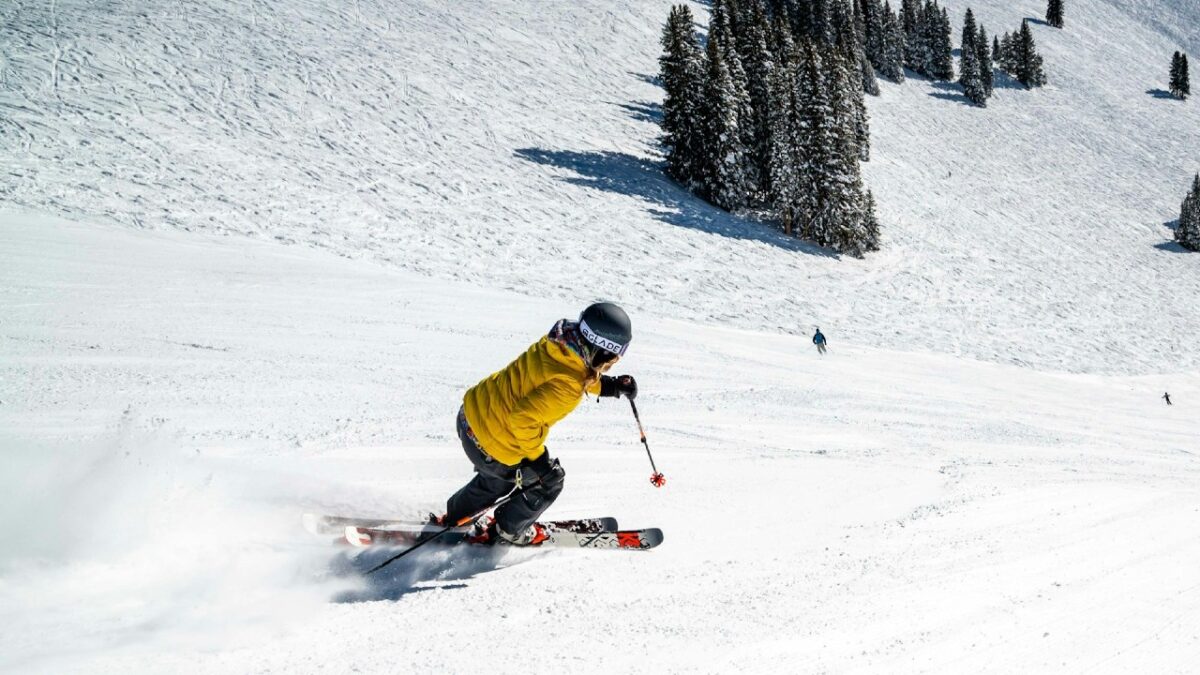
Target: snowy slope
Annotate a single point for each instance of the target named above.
(512, 145)
(251, 255)
(170, 404)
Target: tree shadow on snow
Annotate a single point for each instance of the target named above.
(1002, 80)
(1171, 246)
(648, 78)
(643, 111)
(1159, 93)
(951, 92)
(1036, 21)
(441, 565)
(667, 200)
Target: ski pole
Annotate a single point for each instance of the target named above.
(458, 523)
(656, 478)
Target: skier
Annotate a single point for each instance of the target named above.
(819, 340)
(504, 420)
(1167, 395)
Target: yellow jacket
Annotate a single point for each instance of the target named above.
(512, 410)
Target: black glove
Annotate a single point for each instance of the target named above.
(621, 385)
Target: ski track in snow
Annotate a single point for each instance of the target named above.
(512, 147)
(251, 255)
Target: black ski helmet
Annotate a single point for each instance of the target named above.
(606, 331)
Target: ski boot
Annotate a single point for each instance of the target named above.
(532, 536)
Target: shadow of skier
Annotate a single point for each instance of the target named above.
(414, 573)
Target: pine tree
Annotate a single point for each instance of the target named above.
(783, 181)
(997, 54)
(682, 72)
(969, 76)
(943, 59)
(1176, 75)
(727, 159)
(870, 225)
(1008, 54)
(986, 77)
(830, 209)
(1186, 80)
(930, 38)
(1181, 87)
(875, 38)
(855, 65)
(850, 38)
(821, 21)
(1187, 231)
(910, 17)
(1054, 13)
(1029, 62)
(758, 62)
(814, 145)
(894, 46)
(728, 40)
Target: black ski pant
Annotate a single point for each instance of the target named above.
(540, 481)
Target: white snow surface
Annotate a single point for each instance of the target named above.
(252, 254)
(513, 145)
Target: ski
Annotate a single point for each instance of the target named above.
(558, 537)
(336, 525)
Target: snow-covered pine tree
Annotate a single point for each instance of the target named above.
(870, 225)
(682, 72)
(943, 59)
(986, 77)
(727, 158)
(1029, 62)
(814, 138)
(798, 15)
(1181, 86)
(850, 49)
(910, 16)
(727, 35)
(1008, 54)
(931, 17)
(1054, 13)
(1187, 231)
(831, 213)
(894, 46)
(733, 16)
(997, 54)
(875, 33)
(821, 21)
(849, 36)
(784, 161)
(1187, 79)
(1176, 74)
(758, 61)
(846, 193)
(969, 76)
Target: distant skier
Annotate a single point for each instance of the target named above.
(819, 341)
(1167, 396)
(504, 420)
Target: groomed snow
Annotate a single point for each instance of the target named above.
(979, 476)
(171, 403)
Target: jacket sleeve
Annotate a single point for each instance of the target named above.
(539, 409)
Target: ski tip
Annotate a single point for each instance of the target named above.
(356, 537)
(652, 537)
